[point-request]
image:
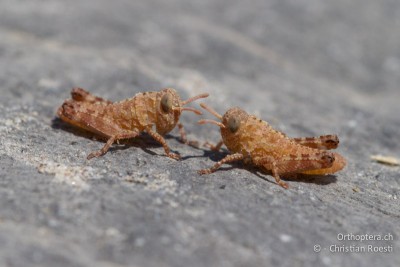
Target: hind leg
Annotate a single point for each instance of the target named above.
(324, 142)
(79, 94)
(91, 117)
(86, 116)
(295, 164)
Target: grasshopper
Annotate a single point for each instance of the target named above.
(253, 140)
(127, 118)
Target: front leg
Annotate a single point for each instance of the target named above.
(227, 159)
(216, 147)
(162, 141)
(184, 139)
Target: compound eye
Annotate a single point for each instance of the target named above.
(233, 124)
(166, 103)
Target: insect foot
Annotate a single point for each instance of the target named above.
(253, 140)
(156, 113)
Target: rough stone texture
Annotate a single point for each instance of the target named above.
(308, 67)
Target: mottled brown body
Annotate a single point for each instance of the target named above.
(250, 139)
(127, 118)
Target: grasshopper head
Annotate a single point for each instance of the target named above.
(170, 107)
(231, 120)
(230, 123)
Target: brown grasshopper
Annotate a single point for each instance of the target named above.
(127, 118)
(250, 139)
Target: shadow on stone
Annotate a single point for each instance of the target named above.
(295, 178)
(314, 179)
(144, 141)
(214, 156)
(58, 124)
(267, 175)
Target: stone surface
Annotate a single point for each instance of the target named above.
(308, 67)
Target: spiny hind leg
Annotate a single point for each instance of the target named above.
(90, 118)
(295, 164)
(79, 94)
(87, 116)
(162, 141)
(110, 141)
(107, 128)
(304, 162)
(227, 159)
(324, 142)
(184, 139)
(338, 164)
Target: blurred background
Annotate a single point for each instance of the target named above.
(307, 67)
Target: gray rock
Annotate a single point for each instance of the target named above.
(308, 67)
